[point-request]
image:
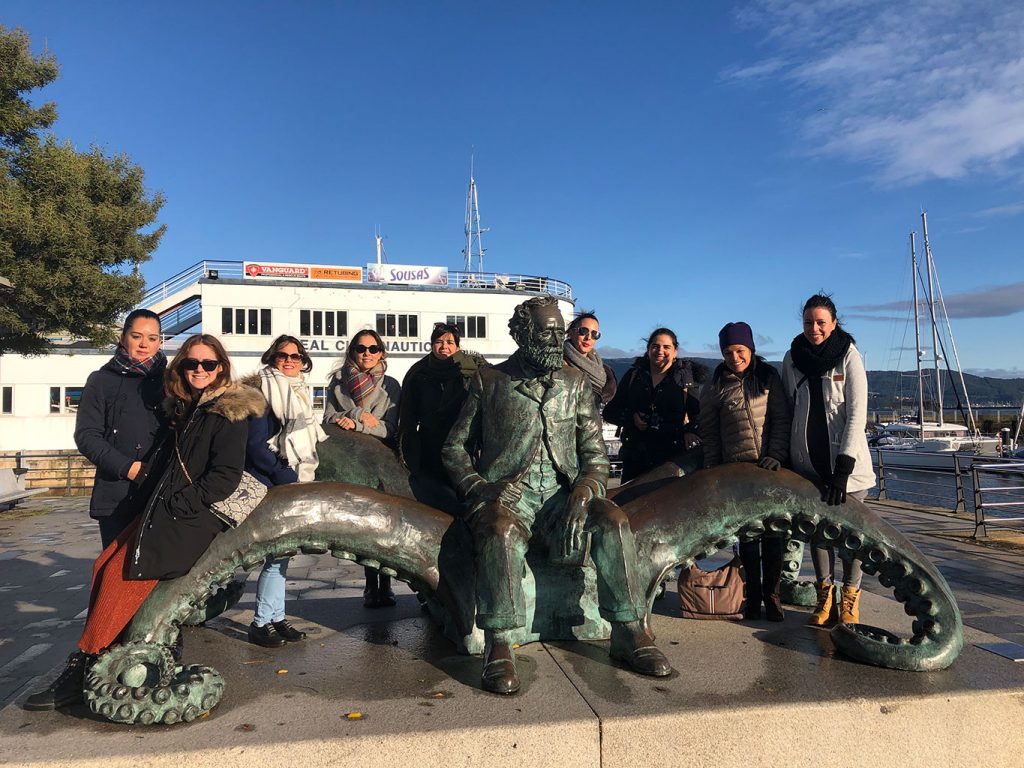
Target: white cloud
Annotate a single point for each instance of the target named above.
(1011, 209)
(932, 89)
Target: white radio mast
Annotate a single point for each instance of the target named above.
(474, 233)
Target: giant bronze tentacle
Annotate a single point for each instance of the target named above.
(683, 520)
(678, 516)
(136, 681)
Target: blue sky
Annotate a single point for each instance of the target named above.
(679, 163)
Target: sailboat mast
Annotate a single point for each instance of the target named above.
(917, 336)
(935, 325)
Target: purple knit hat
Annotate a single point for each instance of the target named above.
(736, 333)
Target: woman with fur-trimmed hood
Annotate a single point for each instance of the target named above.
(199, 463)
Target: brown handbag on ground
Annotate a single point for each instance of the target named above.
(716, 594)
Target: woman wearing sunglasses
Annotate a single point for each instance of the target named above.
(198, 463)
(281, 448)
(433, 392)
(361, 398)
(581, 353)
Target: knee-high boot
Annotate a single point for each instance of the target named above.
(750, 556)
(771, 576)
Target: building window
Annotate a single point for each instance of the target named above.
(470, 326)
(251, 322)
(65, 399)
(322, 322)
(406, 326)
(319, 398)
(6, 400)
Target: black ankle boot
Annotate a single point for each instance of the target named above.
(371, 592)
(386, 595)
(66, 689)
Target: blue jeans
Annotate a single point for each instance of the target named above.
(270, 592)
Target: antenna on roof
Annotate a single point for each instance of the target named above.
(379, 239)
(474, 232)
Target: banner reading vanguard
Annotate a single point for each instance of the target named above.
(277, 271)
(406, 274)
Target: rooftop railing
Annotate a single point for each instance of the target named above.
(232, 270)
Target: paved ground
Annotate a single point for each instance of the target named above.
(47, 547)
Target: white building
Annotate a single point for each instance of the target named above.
(247, 305)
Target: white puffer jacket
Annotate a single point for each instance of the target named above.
(845, 388)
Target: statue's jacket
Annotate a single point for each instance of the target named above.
(509, 416)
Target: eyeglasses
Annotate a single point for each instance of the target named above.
(450, 327)
(586, 333)
(282, 356)
(373, 349)
(191, 364)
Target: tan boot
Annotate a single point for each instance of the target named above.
(849, 609)
(825, 613)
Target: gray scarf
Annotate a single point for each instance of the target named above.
(590, 364)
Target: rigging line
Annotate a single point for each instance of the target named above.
(956, 357)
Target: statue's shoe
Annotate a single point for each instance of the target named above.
(635, 648)
(499, 674)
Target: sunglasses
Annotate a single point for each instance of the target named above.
(373, 349)
(282, 356)
(191, 364)
(450, 327)
(586, 333)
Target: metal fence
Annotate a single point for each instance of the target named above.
(63, 473)
(989, 487)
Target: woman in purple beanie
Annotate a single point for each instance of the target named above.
(745, 417)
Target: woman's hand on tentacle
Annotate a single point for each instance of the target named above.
(369, 420)
(772, 465)
(345, 422)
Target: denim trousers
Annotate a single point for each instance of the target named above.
(270, 592)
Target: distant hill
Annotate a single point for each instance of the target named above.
(889, 388)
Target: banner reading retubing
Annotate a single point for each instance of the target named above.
(406, 274)
(281, 271)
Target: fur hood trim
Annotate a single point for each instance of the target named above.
(234, 401)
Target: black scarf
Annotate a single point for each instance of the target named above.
(814, 361)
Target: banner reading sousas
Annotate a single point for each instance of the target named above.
(406, 274)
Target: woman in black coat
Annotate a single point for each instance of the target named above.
(119, 420)
(657, 406)
(198, 463)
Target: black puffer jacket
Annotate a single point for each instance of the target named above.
(177, 525)
(118, 423)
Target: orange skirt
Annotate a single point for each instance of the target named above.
(114, 600)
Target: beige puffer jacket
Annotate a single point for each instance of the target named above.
(744, 418)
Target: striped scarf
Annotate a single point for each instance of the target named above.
(142, 368)
(300, 432)
(359, 384)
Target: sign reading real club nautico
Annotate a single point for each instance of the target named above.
(406, 274)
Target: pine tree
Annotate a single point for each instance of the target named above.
(72, 224)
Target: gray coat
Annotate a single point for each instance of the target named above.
(382, 403)
(845, 388)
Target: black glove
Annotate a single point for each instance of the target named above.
(772, 465)
(835, 493)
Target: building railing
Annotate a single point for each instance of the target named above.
(233, 270)
(63, 473)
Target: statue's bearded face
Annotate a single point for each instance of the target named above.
(543, 347)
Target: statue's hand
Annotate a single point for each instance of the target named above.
(505, 493)
(573, 521)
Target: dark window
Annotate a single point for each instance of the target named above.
(225, 320)
(265, 329)
(343, 323)
(304, 322)
(7, 405)
(472, 327)
(318, 323)
(329, 323)
(72, 397)
(398, 325)
(239, 321)
(54, 399)
(254, 322)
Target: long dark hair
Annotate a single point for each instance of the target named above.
(350, 353)
(138, 314)
(270, 356)
(661, 332)
(824, 300)
(578, 320)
